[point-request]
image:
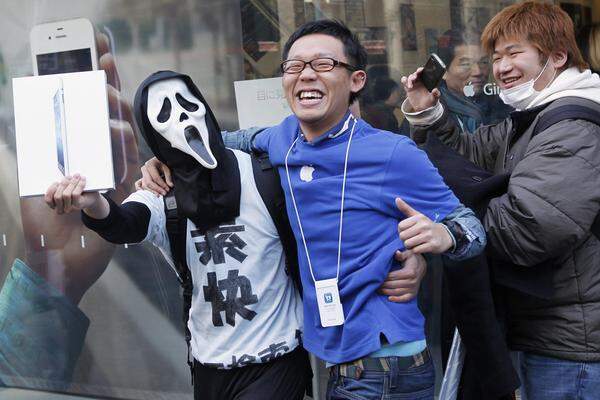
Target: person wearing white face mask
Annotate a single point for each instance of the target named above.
(542, 237)
(521, 95)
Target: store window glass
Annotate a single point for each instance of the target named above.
(81, 316)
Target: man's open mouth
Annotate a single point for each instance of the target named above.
(310, 96)
(508, 82)
(194, 140)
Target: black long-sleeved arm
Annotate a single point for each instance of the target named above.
(127, 223)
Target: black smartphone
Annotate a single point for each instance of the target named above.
(433, 71)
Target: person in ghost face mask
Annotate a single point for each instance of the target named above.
(540, 231)
(245, 318)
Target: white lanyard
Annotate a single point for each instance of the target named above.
(339, 256)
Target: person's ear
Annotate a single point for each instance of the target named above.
(358, 79)
(559, 59)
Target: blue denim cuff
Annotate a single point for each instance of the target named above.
(473, 229)
(241, 139)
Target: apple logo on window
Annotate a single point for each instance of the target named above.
(469, 90)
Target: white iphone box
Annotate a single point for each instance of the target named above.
(62, 128)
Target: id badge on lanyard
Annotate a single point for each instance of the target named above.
(329, 303)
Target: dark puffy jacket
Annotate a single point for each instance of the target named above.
(539, 231)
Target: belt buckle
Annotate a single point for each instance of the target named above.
(358, 368)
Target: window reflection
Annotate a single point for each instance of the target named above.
(104, 320)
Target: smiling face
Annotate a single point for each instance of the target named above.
(469, 65)
(177, 115)
(320, 99)
(516, 61)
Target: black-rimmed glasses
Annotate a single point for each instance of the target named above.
(323, 64)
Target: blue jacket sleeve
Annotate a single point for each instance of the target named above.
(411, 176)
(242, 139)
(475, 234)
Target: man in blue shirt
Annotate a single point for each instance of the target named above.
(341, 178)
(346, 185)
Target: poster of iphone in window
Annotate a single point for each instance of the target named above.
(62, 128)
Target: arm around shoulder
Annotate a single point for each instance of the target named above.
(242, 139)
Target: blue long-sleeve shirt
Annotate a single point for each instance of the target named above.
(464, 216)
(382, 167)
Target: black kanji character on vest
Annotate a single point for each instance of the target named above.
(274, 350)
(231, 303)
(244, 360)
(217, 239)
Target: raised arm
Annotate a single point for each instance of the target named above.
(427, 115)
(242, 139)
(127, 223)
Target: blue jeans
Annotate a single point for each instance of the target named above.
(547, 378)
(414, 383)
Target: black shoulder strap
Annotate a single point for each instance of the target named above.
(177, 232)
(570, 111)
(269, 187)
(567, 111)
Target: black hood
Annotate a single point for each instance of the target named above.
(208, 197)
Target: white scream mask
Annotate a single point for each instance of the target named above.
(175, 112)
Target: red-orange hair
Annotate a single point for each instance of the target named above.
(546, 26)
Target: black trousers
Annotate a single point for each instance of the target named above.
(284, 378)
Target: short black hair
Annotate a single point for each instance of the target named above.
(451, 39)
(353, 49)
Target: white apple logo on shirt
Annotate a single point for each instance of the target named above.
(306, 173)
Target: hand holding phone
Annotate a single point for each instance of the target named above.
(421, 86)
(433, 72)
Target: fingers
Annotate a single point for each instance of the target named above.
(118, 106)
(167, 174)
(408, 223)
(102, 43)
(49, 196)
(402, 299)
(402, 256)
(424, 248)
(410, 81)
(149, 184)
(396, 291)
(59, 201)
(77, 193)
(416, 235)
(138, 184)
(405, 208)
(154, 171)
(152, 177)
(400, 274)
(65, 196)
(426, 237)
(106, 60)
(68, 192)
